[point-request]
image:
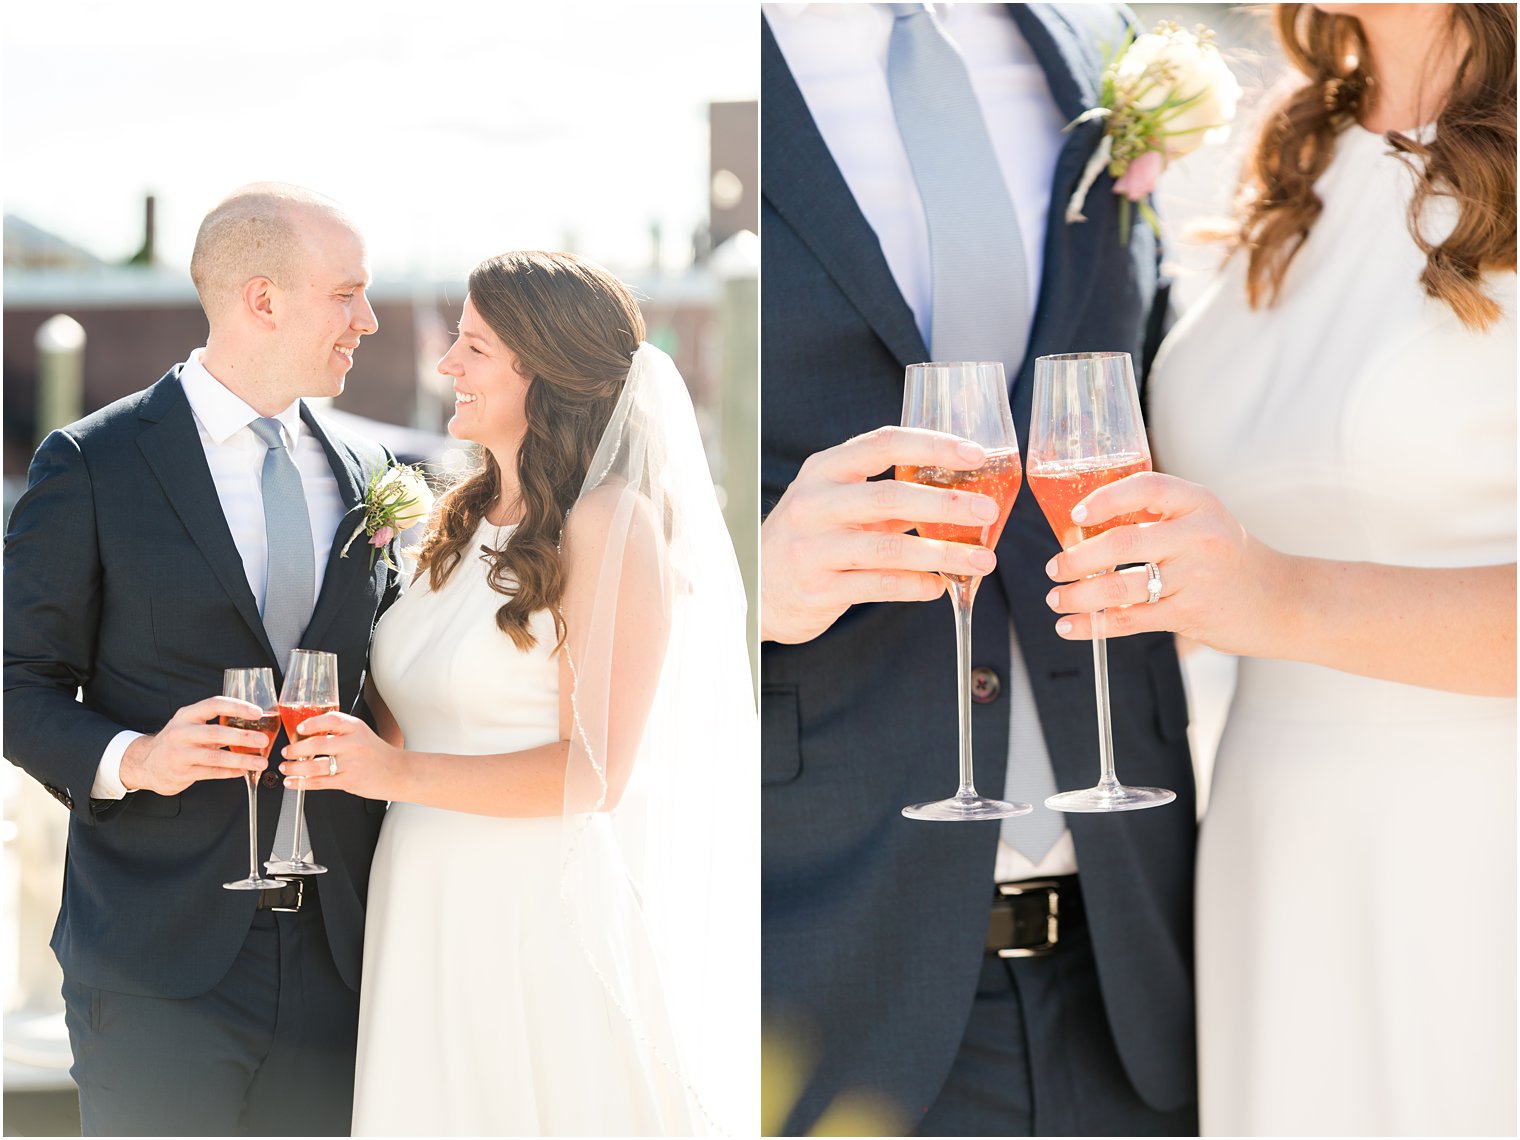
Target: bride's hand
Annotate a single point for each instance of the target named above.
(1219, 585)
(366, 765)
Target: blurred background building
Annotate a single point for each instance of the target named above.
(625, 133)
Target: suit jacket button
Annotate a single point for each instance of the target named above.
(271, 777)
(61, 796)
(985, 685)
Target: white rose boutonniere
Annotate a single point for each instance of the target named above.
(1164, 94)
(397, 497)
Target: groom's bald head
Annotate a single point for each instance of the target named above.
(256, 231)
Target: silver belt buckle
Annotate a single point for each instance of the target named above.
(300, 896)
(1052, 916)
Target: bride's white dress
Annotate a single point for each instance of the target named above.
(480, 1012)
(1356, 876)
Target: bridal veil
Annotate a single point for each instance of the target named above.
(650, 561)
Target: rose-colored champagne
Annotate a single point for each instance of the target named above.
(999, 479)
(1062, 485)
(293, 715)
(268, 725)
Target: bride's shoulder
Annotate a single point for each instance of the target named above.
(613, 511)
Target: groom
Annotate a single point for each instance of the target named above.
(949, 978)
(186, 529)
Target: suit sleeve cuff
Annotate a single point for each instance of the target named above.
(108, 785)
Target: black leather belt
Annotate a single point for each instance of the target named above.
(1027, 917)
(283, 898)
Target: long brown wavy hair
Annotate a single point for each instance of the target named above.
(1471, 158)
(574, 328)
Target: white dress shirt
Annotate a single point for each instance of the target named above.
(236, 459)
(837, 53)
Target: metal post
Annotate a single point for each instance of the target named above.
(60, 373)
(736, 264)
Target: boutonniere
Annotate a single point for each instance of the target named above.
(1164, 94)
(396, 498)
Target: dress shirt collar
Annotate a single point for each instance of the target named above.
(223, 412)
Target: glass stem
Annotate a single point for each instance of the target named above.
(252, 781)
(295, 849)
(962, 594)
(1106, 780)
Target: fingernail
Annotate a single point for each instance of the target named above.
(968, 450)
(290, 781)
(1050, 568)
(1053, 600)
(1079, 513)
(983, 559)
(984, 509)
(1063, 627)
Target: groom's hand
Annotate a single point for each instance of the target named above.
(191, 747)
(836, 538)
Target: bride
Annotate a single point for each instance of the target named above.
(565, 733)
(1346, 389)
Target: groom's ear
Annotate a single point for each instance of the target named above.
(258, 300)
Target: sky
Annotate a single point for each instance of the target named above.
(450, 129)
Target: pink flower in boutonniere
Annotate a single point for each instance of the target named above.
(1164, 95)
(397, 497)
(1140, 178)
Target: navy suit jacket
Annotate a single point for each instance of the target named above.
(874, 924)
(122, 578)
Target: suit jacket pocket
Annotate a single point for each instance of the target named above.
(780, 738)
(151, 803)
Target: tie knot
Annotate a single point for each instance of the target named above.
(268, 430)
(901, 11)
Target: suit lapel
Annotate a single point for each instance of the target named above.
(1069, 43)
(342, 573)
(804, 186)
(171, 446)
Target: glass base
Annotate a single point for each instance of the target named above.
(959, 808)
(1114, 798)
(294, 867)
(252, 884)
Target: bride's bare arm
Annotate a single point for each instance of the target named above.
(612, 713)
(385, 724)
(618, 654)
(1440, 628)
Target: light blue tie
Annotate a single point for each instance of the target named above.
(980, 284)
(981, 305)
(291, 576)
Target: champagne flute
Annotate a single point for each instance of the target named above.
(311, 689)
(256, 686)
(969, 400)
(1086, 432)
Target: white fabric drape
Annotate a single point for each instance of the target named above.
(649, 561)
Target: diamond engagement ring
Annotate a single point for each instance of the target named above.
(1152, 590)
(332, 765)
